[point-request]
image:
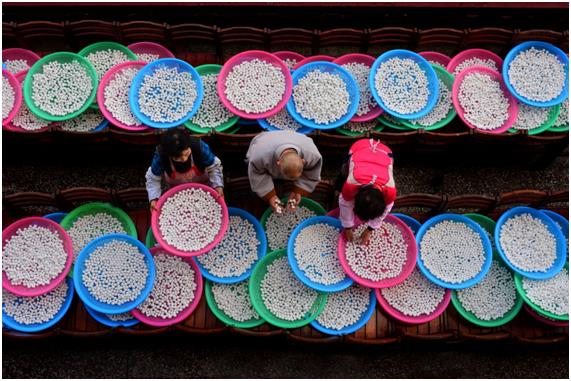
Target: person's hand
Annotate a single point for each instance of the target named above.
(220, 192)
(153, 206)
(349, 234)
(293, 201)
(276, 205)
(364, 239)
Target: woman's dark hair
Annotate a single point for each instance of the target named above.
(173, 142)
(369, 203)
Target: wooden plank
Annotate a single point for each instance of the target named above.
(200, 312)
(371, 327)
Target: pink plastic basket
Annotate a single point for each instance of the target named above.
(413, 319)
(21, 76)
(101, 93)
(53, 226)
(287, 55)
(248, 56)
(145, 47)
(20, 54)
(474, 53)
(513, 107)
(174, 250)
(160, 322)
(439, 58)
(544, 320)
(407, 269)
(313, 59)
(17, 96)
(365, 60)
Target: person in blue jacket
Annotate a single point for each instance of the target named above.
(182, 158)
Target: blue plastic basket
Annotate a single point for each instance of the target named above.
(354, 327)
(538, 45)
(326, 67)
(149, 69)
(103, 319)
(474, 226)
(106, 308)
(561, 244)
(12, 324)
(102, 126)
(345, 283)
(424, 65)
(412, 223)
(262, 247)
(56, 217)
(268, 127)
(558, 219)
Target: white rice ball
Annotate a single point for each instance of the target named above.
(283, 294)
(33, 256)
(345, 308)
(35, 309)
(234, 301)
(551, 295)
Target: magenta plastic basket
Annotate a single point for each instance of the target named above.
(365, 60)
(474, 53)
(248, 56)
(182, 315)
(17, 96)
(439, 58)
(53, 226)
(313, 59)
(408, 266)
(513, 107)
(285, 55)
(174, 250)
(545, 320)
(20, 54)
(146, 47)
(21, 76)
(396, 314)
(101, 93)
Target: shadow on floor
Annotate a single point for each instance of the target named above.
(180, 356)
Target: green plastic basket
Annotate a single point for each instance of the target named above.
(551, 118)
(378, 128)
(388, 123)
(307, 202)
(488, 323)
(485, 222)
(489, 225)
(61, 57)
(205, 70)
(150, 240)
(521, 291)
(98, 207)
(562, 128)
(221, 315)
(448, 80)
(258, 303)
(104, 45)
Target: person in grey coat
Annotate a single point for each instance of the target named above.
(285, 155)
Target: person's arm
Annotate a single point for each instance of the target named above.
(260, 180)
(346, 213)
(212, 166)
(153, 178)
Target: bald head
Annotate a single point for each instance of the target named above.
(291, 165)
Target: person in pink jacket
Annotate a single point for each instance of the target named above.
(367, 188)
